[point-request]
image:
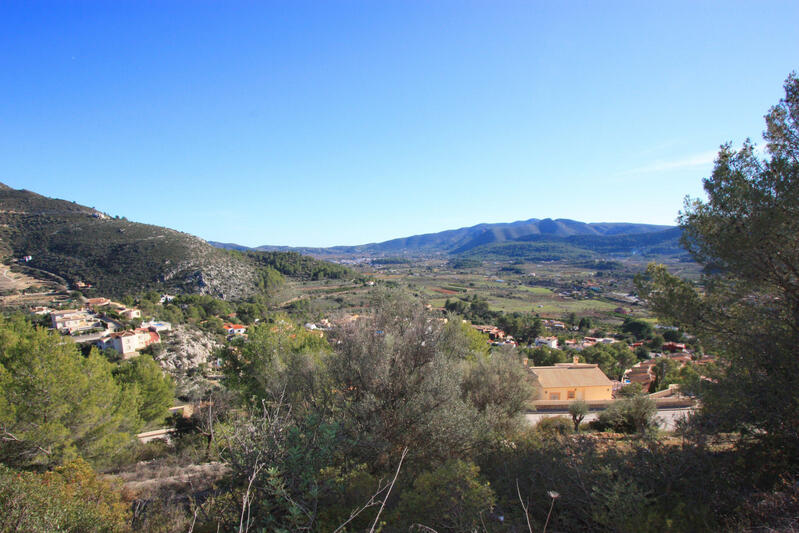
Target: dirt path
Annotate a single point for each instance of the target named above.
(14, 281)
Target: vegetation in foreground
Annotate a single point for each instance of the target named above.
(403, 421)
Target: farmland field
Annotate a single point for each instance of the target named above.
(550, 290)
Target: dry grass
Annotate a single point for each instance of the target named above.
(152, 478)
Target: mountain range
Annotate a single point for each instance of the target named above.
(533, 239)
(78, 243)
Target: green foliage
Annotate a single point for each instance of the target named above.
(640, 329)
(461, 340)
(636, 486)
(578, 410)
(462, 263)
(524, 327)
(277, 463)
(279, 359)
(450, 498)
(673, 335)
(546, 356)
(635, 414)
(613, 359)
(155, 389)
(300, 266)
(72, 498)
(744, 235)
(399, 385)
(499, 388)
(55, 404)
(630, 390)
(554, 426)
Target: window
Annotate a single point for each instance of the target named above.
(571, 394)
(554, 396)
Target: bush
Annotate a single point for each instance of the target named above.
(450, 498)
(71, 498)
(629, 415)
(555, 425)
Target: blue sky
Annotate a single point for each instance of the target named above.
(346, 122)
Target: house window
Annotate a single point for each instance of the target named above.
(571, 394)
(554, 396)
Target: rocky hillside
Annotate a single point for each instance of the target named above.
(114, 255)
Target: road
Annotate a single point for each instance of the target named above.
(667, 417)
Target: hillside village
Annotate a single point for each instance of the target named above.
(112, 325)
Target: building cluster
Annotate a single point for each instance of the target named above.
(74, 321)
(496, 336)
(643, 373)
(93, 324)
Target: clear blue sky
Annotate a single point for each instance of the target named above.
(346, 122)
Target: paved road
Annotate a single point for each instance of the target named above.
(668, 417)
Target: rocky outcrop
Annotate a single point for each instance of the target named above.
(186, 348)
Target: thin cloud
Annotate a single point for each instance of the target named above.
(696, 160)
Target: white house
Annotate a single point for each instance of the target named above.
(129, 342)
(552, 342)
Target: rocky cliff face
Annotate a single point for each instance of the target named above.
(186, 348)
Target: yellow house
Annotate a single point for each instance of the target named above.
(572, 381)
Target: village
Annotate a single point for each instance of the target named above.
(110, 325)
(559, 385)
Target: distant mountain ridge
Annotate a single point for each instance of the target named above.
(570, 236)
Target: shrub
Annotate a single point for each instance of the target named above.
(555, 425)
(71, 498)
(450, 498)
(635, 414)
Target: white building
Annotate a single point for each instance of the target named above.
(552, 342)
(74, 320)
(128, 343)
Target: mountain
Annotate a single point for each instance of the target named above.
(78, 243)
(534, 239)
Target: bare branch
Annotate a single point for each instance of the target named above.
(524, 507)
(391, 486)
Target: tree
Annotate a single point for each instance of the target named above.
(155, 388)
(578, 410)
(570, 318)
(613, 359)
(656, 342)
(631, 414)
(398, 380)
(640, 329)
(499, 388)
(55, 404)
(745, 237)
(546, 356)
(464, 340)
(279, 359)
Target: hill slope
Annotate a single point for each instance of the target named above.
(117, 257)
